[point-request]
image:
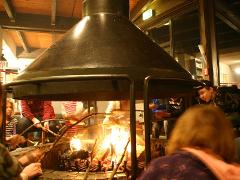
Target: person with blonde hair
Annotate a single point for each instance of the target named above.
(26, 167)
(201, 146)
(11, 121)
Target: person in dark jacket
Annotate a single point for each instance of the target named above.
(197, 149)
(207, 92)
(226, 98)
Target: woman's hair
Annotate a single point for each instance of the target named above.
(10, 102)
(204, 127)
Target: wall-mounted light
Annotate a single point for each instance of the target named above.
(147, 14)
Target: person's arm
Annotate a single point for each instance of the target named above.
(30, 157)
(9, 166)
(31, 168)
(48, 111)
(26, 111)
(30, 171)
(79, 109)
(15, 140)
(63, 111)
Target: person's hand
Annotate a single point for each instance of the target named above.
(46, 125)
(31, 157)
(36, 123)
(15, 140)
(152, 106)
(31, 171)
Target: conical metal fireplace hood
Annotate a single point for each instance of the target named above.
(97, 58)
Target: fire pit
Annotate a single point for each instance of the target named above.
(105, 155)
(103, 58)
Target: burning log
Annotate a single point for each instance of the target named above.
(60, 136)
(82, 155)
(105, 155)
(120, 161)
(87, 171)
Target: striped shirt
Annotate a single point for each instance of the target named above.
(11, 127)
(70, 108)
(36, 108)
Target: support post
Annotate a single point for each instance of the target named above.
(208, 38)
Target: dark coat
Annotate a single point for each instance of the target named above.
(181, 165)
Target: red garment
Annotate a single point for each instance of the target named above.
(36, 108)
(70, 108)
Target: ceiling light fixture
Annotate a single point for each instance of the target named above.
(147, 14)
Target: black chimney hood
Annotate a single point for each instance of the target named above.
(97, 58)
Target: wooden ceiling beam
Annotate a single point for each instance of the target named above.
(23, 41)
(34, 22)
(138, 9)
(9, 9)
(164, 11)
(10, 42)
(54, 11)
(21, 53)
(227, 14)
(11, 14)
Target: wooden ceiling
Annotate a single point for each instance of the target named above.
(30, 25)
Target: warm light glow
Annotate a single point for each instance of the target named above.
(237, 70)
(167, 23)
(118, 139)
(75, 144)
(147, 14)
(80, 26)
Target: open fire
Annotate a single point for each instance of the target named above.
(99, 149)
(105, 153)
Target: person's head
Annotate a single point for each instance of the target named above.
(204, 127)
(206, 92)
(9, 108)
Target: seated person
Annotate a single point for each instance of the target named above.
(34, 111)
(207, 93)
(23, 168)
(201, 146)
(11, 121)
(73, 111)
